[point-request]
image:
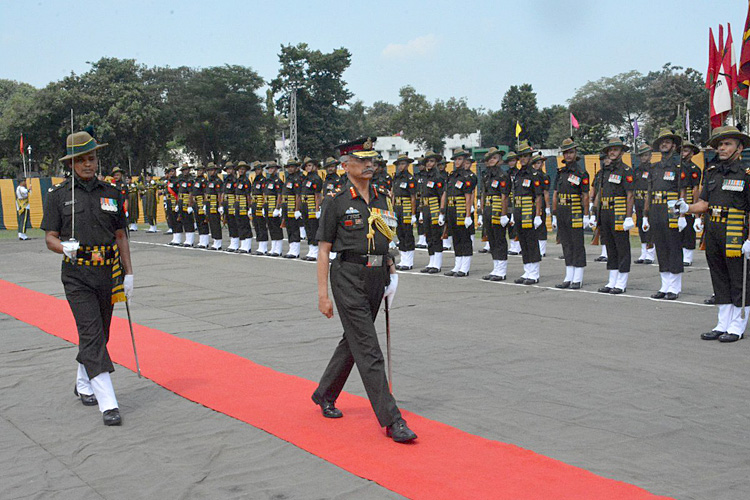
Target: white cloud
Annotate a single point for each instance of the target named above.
(419, 47)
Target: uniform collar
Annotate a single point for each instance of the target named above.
(354, 194)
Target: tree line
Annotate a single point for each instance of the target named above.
(150, 114)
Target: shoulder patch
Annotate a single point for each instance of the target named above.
(58, 186)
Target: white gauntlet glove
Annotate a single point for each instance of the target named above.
(537, 222)
(70, 249)
(221, 210)
(698, 225)
(441, 220)
(190, 210)
(504, 220)
(390, 290)
(746, 249)
(127, 284)
(586, 221)
(554, 222)
(681, 223)
(547, 211)
(592, 222)
(468, 221)
(480, 221)
(297, 214)
(628, 224)
(317, 214)
(645, 225)
(276, 212)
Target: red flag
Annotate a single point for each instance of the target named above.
(732, 61)
(21, 145)
(721, 92)
(743, 77)
(721, 40)
(712, 57)
(573, 121)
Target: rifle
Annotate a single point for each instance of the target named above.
(598, 209)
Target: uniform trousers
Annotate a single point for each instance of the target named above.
(202, 222)
(261, 228)
(726, 272)
(188, 221)
(243, 226)
(668, 241)
(571, 238)
(234, 231)
(433, 233)
(311, 229)
(617, 242)
(214, 224)
(528, 238)
(462, 245)
(89, 293)
(292, 229)
(496, 236)
(688, 234)
(358, 293)
(405, 234)
(172, 222)
(274, 228)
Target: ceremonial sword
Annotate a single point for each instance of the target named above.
(132, 337)
(388, 341)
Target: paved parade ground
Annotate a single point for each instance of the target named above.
(620, 386)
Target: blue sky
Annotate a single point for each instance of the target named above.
(472, 49)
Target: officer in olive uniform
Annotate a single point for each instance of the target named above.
(537, 163)
(170, 205)
(134, 192)
(514, 246)
(459, 200)
(570, 206)
(692, 184)
(666, 184)
(198, 203)
(260, 222)
(272, 197)
(642, 175)
(185, 187)
(495, 218)
(149, 199)
(404, 197)
(333, 180)
(381, 178)
(229, 206)
(118, 181)
(311, 197)
(213, 204)
(357, 222)
(725, 199)
(421, 232)
(242, 208)
(528, 196)
(614, 192)
(96, 269)
(431, 191)
(292, 201)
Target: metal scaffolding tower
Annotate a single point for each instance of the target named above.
(293, 123)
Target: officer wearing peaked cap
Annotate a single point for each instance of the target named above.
(357, 222)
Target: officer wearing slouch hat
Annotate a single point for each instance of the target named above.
(260, 222)
(514, 246)
(405, 204)
(186, 213)
(311, 197)
(213, 205)
(357, 222)
(273, 208)
(291, 201)
(171, 203)
(229, 206)
(333, 180)
(198, 202)
(96, 269)
(725, 199)
(527, 214)
(242, 188)
(431, 191)
(642, 179)
(459, 200)
(495, 195)
(692, 182)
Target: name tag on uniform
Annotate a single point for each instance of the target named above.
(494, 184)
(615, 179)
(733, 185)
(430, 184)
(669, 176)
(574, 179)
(644, 175)
(109, 204)
(402, 185)
(526, 183)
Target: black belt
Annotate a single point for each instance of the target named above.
(363, 260)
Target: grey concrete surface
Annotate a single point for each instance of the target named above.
(619, 385)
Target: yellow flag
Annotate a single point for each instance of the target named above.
(518, 128)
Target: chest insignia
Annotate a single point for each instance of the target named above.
(494, 184)
(615, 179)
(574, 179)
(430, 184)
(526, 183)
(402, 185)
(459, 184)
(669, 176)
(733, 185)
(108, 204)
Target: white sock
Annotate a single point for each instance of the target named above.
(448, 243)
(179, 237)
(294, 249)
(432, 261)
(515, 246)
(217, 244)
(466, 264)
(302, 232)
(457, 264)
(422, 240)
(543, 247)
(578, 275)
(152, 229)
(738, 324)
(104, 392)
(409, 258)
(651, 252)
(83, 384)
(644, 251)
(263, 246)
(675, 284)
(535, 268)
(526, 271)
(622, 281)
(278, 247)
(234, 244)
(725, 317)
(438, 260)
(244, 244)
(502, 268)
(401, 258)
(487, 245)
(687, 255)
(315, 251)
(604, 250)
(569, 271)
(612, 278)
(666, 280)
(189, 238)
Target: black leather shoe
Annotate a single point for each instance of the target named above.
(560, 257)
(461, 274)
(420, 246)
(483, 250)
(406, 268)
(658, 295)
(639, 261)
(617, 291)
(712, 335)
(450, 273)
(202, 247)
(513, 253)
(564, 284)
(710, 301)
(497, 278)
(671, 296)
(519, 281)
(604, 289)
(433, 270)
(86, 399)
(230, 250)
(687, 264)
(273, 254)
(399, 267)
(259, 253)
(400, 432)
(575, 286)
(729, 337)
(600, 259)
(648, 261)
(530, 282)
(487, 277)
(327, 408)
(426, 269)
(112, 417)
(187, 245)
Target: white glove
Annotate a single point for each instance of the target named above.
(421, 217)
(165, 205)
(537, 222)
(276, 212)
(415, 218)
(547, 211)
(681, 223)
(468, 221)
(746, 249)
(302, 232)
(190, 210)
(679, 207)
(392, 245)
(586, 221)
(441, 220)
(698, 225)
(264, 212)
(221, 210)
(390, 290)
(176, 208)
(504, 220)
(554, 222)
(645, 225)
(591, 207)
(628, 224)
(512, 220)
(317, 214)
(592, 222)
(480, 221)
(127, 284)
(297, 214)
(70, 249)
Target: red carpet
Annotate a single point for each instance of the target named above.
(444, 462)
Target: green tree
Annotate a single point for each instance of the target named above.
(16, 105)
(321, 94)
(556, 120)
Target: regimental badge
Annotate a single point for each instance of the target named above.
(184, 184)
(669, 176)
(695, 175)
(430, 184)
(289, 185)
(574, 179)
(367, 144)
(257, 186)
(402, 185)
(96, 256)
(644, 175)
(526, 183)
(733, 185)
(459, 184)
(494, 184)
(615, 179)
(308, 184)
(109, 204)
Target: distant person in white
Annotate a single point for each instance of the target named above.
(22, 209)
